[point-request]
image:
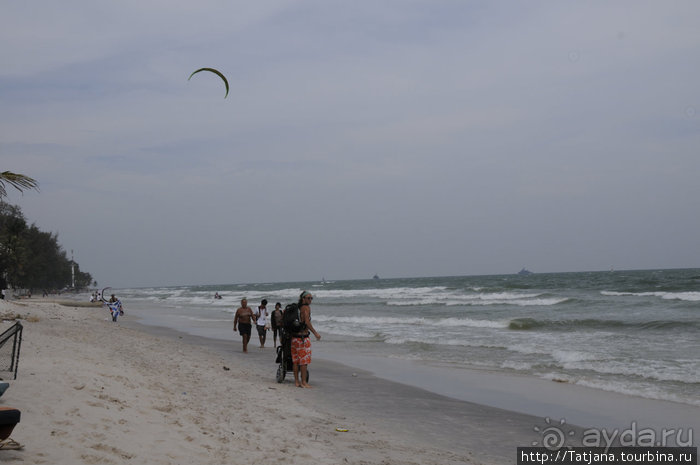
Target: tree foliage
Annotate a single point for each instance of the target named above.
(18, 181)
(33, 259)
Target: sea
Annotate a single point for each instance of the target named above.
(631, 332)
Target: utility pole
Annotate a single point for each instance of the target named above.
(72, 269)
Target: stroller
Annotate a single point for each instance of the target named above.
(284, 357)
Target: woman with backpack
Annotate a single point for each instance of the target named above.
(301, 343)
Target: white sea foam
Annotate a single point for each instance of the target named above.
(426, 339)
(519, 366)
(685, 296)
(647, 369)
(378, 321)
(636, 389)
(569, 357)
(381, 293)
(354, 332)
(480, 301)
(472, 323)
(369, 320)
(204, 320)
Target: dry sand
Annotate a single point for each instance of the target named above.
(95, 392)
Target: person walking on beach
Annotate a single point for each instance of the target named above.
(301, 343)
(261, 322)
(115, 309)
(242, 322)
(276, 322)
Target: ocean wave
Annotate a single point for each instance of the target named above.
(203, 320)
(380, 293)
(565, 357)
(577, 363)
(645, 369)
(524, 324)
(426, 342)
(647, 391)
(576, 366)
(392, 296)
(378, 321)
(518, 366)
(518, 301)
(688, 296)
(362, 333)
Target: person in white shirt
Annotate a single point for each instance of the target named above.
(261, 322)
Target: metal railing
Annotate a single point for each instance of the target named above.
(10, 343)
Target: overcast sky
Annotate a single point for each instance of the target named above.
(403, 138)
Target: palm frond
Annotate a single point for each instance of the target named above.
(18, 181)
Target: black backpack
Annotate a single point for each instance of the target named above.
(291, 319)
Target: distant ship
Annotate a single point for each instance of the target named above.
(376, 276)
(524, 272)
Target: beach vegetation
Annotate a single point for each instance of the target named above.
(33, 259)
(18, 181)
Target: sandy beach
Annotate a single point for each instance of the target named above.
(93, 391)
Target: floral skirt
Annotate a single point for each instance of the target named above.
(301, 350)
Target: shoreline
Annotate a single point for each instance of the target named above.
(584, 406)
(528, 399)
(92, 391)
(362, 400)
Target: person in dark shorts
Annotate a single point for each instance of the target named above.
(243, 322)
(276, 322)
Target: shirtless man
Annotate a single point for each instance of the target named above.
(242, 320)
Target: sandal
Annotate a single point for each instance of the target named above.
(10, 444)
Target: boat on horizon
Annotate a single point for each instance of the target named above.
(524, 272)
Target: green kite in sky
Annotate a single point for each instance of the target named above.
(212, 70)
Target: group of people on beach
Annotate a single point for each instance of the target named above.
(246, 317)
(300, 341)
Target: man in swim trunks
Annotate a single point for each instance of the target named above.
(242, 320)
(301, 343)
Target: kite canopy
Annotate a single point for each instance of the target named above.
(212, 70)
(102, 294)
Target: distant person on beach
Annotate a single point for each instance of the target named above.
(217, 296)
(261, 322)
(276, 322)
(115, 309)
(301, 343)
(242, 322)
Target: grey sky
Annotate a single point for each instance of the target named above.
(404, 138)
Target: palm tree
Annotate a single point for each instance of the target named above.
(18, 181)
